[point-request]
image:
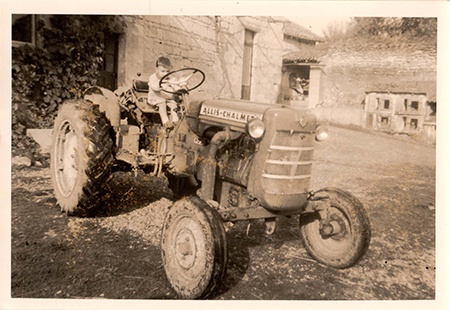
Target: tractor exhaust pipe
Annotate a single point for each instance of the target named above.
(208, 173)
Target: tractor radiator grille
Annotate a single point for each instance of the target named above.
(288, 165)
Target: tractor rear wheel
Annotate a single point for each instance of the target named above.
(193, 248)
(81, 156)
(339, 235)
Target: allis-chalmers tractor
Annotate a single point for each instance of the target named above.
(225, 160)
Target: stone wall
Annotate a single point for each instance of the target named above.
(351, 70)
(210, 43)
(339, 115)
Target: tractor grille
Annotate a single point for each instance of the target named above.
(288, 165)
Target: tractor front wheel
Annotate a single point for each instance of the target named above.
(193, 248)
(339, 234)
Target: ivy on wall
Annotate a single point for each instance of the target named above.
(66, 60)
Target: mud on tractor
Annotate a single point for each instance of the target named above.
(226, 160)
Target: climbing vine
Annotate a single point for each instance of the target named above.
(66, 60)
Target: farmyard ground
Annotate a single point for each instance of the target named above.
(115, 255)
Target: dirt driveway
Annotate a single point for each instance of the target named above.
(116, 254)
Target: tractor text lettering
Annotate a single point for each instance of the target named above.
(229, 114)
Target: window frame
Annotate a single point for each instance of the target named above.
(384, 121)
(16, 43)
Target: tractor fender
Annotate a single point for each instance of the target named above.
(107, 101)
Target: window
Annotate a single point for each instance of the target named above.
(414, 123)
(387, 103)
(415, 105)
(432, 109)
(405, 103)
(23, 28)
(247, 64)
(383, 122)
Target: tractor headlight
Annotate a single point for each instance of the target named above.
(256, 128)
(321, 133)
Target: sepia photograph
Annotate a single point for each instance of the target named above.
(248, 154)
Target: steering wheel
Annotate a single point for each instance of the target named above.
(182, 81)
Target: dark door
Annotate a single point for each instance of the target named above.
(247, 64)
(108, 74)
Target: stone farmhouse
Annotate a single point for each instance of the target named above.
(242, 57)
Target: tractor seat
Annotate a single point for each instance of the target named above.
(140, 86)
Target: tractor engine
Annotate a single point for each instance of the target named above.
(235, 160)
(234, 163)
(262, 156)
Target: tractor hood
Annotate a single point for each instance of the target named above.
(232, 113)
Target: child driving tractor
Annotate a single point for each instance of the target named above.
(161, 99)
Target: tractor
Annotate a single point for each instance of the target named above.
(226, 160)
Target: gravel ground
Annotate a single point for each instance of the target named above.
(394, 177)
(136, 220)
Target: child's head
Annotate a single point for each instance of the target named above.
(163, 66)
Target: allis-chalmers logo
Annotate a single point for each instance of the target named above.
(229, 114)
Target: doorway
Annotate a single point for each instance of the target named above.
(295, 84)
(108, 73)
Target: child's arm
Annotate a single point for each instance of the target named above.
(153, 84)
